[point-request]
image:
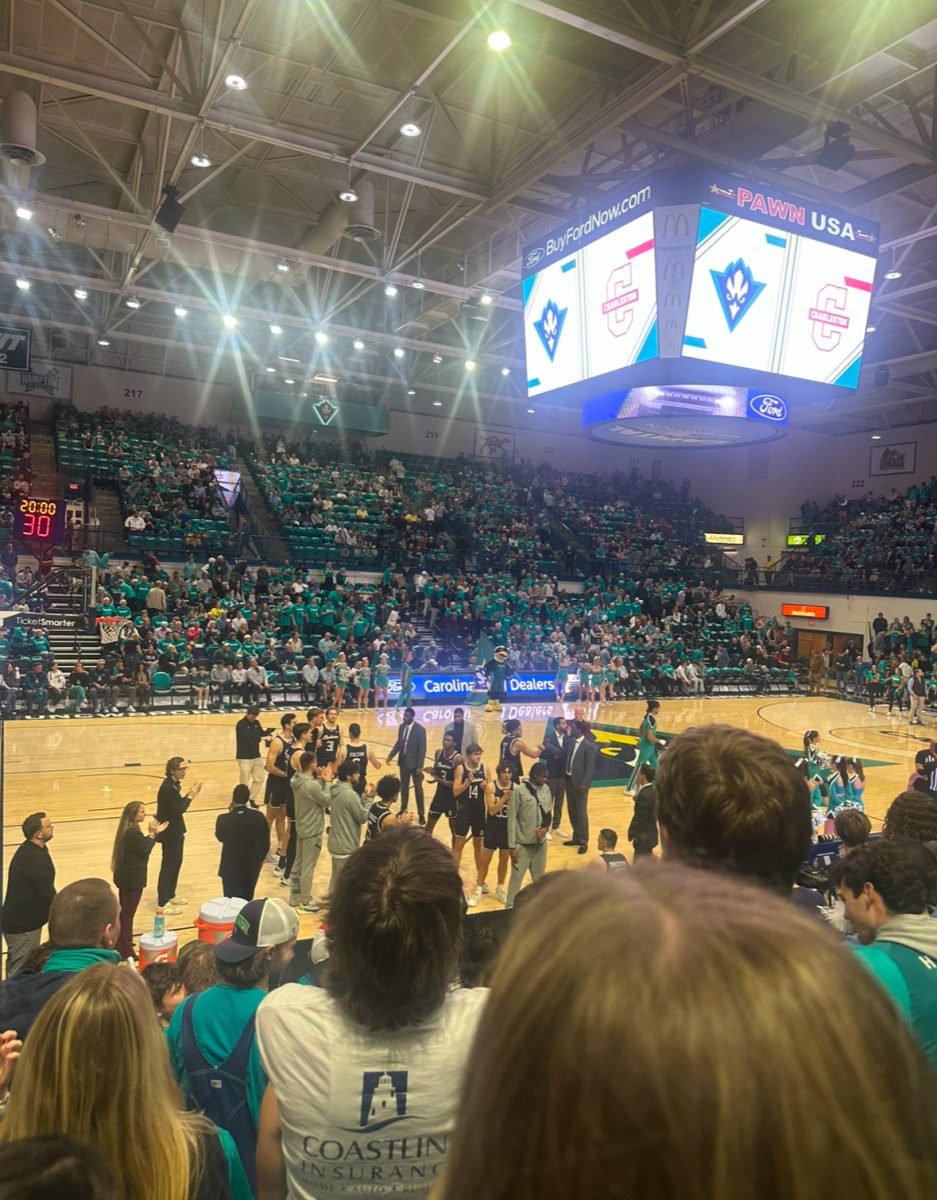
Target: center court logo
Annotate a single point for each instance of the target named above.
(737, 289)
(383, 1099)
(550, 327)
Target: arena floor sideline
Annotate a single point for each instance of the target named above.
(83, 771)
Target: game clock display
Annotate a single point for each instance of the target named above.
(36, 520)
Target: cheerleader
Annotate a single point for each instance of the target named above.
(342, 677)
(363, 682)
(648, 741)
(855, 781)
(820, 765)
(597, 681)
(562, 678)
(583, 681)
(381, 682)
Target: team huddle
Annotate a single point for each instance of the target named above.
(314, 777)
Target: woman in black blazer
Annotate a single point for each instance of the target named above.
(132, 850)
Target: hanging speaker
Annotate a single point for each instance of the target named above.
(170, 211)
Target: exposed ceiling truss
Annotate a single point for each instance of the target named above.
(588, 96)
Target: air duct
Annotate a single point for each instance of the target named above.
(19, 124)
(340, 220)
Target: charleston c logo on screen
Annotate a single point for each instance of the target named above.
(827, 320)
(621, 296)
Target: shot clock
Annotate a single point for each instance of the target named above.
(36, 520)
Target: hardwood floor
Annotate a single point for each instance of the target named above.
(83, 771)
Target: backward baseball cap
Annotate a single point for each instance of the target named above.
(259, 925)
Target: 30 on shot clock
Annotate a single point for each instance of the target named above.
(38, 520)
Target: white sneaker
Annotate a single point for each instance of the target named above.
(308, 908)
(501, 894)
(285, 881)
(485, 888)
(474, 898)
(549, 837)
(172, 910)
(177, 901)
(278, 871)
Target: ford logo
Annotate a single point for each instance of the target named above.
(769, 408)
(534, 256)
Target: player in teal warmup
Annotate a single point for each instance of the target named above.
(648, 741)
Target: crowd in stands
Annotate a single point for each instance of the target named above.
(163, 471)
(885, 542)
(379, 1057)
(15, 461)
(238, 632)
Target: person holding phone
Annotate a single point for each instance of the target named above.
(171, 806)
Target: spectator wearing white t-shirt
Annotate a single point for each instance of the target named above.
(365, 1073)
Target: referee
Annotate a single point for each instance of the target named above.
(248, 734)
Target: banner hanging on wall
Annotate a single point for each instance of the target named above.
(897, 459)
(42, 379)
(497, 446)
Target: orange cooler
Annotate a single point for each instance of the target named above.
(215, 920)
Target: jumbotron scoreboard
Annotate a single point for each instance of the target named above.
(694, 295)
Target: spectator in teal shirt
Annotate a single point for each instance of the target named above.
(207, 1028)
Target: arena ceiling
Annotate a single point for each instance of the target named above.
(510, 145)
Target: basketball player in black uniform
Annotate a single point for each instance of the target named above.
(316, 719)
(278, 788)
(379, 815)
(513, 746)
(329, 739)
(356, 751)
(468, 788)
(497, 801)
(443, 771)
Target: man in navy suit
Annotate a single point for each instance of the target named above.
(580, 767)
(410, 750)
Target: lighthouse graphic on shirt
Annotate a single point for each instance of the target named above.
(383, 1098)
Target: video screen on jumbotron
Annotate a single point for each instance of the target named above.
(695, 277)
(778, 302)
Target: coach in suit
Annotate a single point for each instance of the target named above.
(580, 767)
(642, 832)
(245, 842)
(410, 750)
(554, 753)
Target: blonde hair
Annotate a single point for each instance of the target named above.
(96, 1066)
(694, 1054)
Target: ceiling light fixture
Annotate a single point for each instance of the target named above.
(54, 234)
(486, 298)
(283, 358)
(24, 212)
(180, 311)
(80, 293)
(358, 344)
(437, 359)
(276, 330)
(871, 328)
(271, 370)
(235, 82)
(411, 392)
(418, 285)
(23, 284)
(200, 159)
(499, 40)
(894, 273)
(399, 352)
(348, 195)
(132, 302)
(289, 381)
(470, 364)
(505, 371)
(325, 378)
(437, 404)
(876, 437)
(410, 129)
(103, 342)
(283, 266)
(322, 338)
(390, 290)
(531, 410)
(229, 320)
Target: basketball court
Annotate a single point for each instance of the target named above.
(83, 771)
